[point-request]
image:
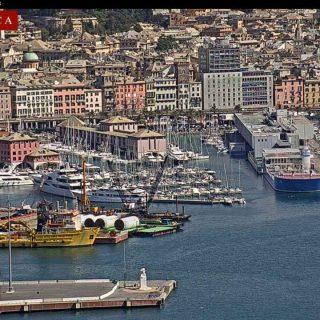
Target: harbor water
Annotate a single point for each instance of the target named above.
(258, 261)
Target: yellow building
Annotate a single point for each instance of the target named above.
(312, 94)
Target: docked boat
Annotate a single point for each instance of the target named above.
(29, 238)
(61, 182)
(107, 194)
(55, 228)
(289, 170)
(10, 179)
(175, 153)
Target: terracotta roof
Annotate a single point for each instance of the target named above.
(72, 121)
(17, 137)
(117, 119)
(43, 152)
(145, 133)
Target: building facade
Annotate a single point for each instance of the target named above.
(222, 56)
(165, 91)
(130, 94)
(189, 96)
(15, 147)
(93, 99)
(69, 99)
(257, 89)
(5, 102)
(222, 91)
(289, 93)
(312, 94)
(32, 101)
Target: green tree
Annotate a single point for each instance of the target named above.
(166, 43)
(45, 34)
(137, 28)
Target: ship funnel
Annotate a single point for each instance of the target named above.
(306, 159)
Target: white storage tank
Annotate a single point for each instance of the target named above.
(127, 223)
(103, 221)
(88, 220)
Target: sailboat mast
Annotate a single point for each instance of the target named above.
(84, 197)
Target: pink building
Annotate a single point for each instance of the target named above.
(130, 94)
(69, 99)
(5, 102)
(120, 136)
(15, 147)
(42, 158)
(289, 93)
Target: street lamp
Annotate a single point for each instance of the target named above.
(10, 289)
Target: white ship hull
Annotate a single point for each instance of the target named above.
(15, 183)
(65, 193)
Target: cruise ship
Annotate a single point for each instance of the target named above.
(61, 182)
(289, 170)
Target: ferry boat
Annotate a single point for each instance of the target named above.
(289, 170)
(10, 179)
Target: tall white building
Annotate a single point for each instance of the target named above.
(32, 101)
(189, 96)
(222, 91)
(93, 99)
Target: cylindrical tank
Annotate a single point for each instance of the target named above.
(306, 159)
(126, 223)
(88, 220)
(103, 221)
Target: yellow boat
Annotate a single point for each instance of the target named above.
(29, 238)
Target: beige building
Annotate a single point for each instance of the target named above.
(312, 94)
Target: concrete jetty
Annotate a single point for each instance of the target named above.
(50, 295)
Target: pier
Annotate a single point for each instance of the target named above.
(52, 295)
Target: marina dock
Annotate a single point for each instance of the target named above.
(51, 295)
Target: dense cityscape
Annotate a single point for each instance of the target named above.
(121, 125)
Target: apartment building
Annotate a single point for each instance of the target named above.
(312, 94)
(189, 96)
(222, 91)
(257, 89)
(5, 101)
(32, 101)
(93, 100)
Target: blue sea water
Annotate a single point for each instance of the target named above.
(258, 261)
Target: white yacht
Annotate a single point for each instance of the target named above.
(61, 182)
(108, 194)
(10, 179)
(175, 153)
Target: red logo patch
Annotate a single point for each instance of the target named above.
(9, 20)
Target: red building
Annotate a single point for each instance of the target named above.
(289, 93)
(69, 97)
(130, 94)
(42, 158)
(15, 147)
